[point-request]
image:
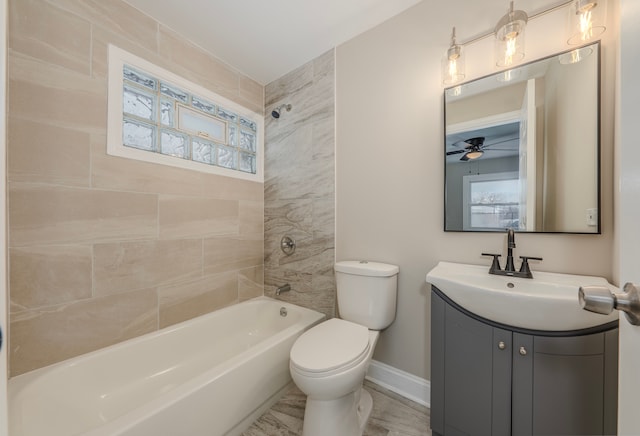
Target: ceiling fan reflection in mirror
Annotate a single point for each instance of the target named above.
(474, 148)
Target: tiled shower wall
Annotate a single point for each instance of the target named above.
(300, 185)
(102, 248)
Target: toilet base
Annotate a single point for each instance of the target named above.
(345, 416)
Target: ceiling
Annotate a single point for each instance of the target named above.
(265, 39)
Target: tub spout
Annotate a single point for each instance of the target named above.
(284, 288)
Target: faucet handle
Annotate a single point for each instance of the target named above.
(525, 258)
(495, 265)
(525, 271)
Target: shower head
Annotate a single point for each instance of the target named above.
(277, 111)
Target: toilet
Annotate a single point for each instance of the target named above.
(329, 361)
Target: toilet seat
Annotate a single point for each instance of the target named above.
(330, 347)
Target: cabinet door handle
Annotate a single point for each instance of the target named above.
(523, 351)
(502, 345)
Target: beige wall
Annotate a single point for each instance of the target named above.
(300, 185)
(389, 165)
(495, 102)
(101, 248)
(570, 145)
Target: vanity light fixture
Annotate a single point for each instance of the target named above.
(509, 37)
(587, 20)
(453, 63)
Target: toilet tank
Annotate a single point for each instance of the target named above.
(367, 292)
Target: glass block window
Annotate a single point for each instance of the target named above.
(174, 122)
(161, 117)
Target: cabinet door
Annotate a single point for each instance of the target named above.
(501, 389)
(437, 364)
(468, 375)
(568, 392)
(522, 388)
(489, 381)
(611, 382)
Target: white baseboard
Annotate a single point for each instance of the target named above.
(402, 383)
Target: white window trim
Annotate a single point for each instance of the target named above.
(466, 193)
(117, 59)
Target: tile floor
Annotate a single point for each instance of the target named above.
(392, 415)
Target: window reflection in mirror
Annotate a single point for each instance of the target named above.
(522, 148)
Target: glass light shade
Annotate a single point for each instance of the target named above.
(474, 154)
(509, 38)
(587, 20)
(453, 66)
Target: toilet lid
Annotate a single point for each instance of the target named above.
(330, 345)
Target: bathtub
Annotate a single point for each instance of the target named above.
(212, 375)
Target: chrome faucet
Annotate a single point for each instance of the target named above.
(284, 288)
(509, 268)
(511, 244)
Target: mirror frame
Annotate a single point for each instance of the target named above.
(598, 53)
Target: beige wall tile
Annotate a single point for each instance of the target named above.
(251, 218)
(116, 16)
(71, 108)
(250, 283)
(93, 235)
(200, 66)
(187, 300)
(48, 335)
(289, 84)
(26, 68)
(44, 153)
(120, 267)
(299, 186)
(302, 291)
(46, 214)
(232, 253)
(181, 217)
(101, 38)
(324, 220)
(44, 31)
(229, 188)
(252, 93)
(44, 276)
(111, 172)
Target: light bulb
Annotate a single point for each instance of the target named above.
(509, 37)
(586, 20)
(453, 63)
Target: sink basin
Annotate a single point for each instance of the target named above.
(548, 302)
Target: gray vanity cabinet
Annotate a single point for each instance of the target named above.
(489, 379)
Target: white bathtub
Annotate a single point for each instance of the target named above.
(208, 376)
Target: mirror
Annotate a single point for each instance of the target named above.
(522, 148)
